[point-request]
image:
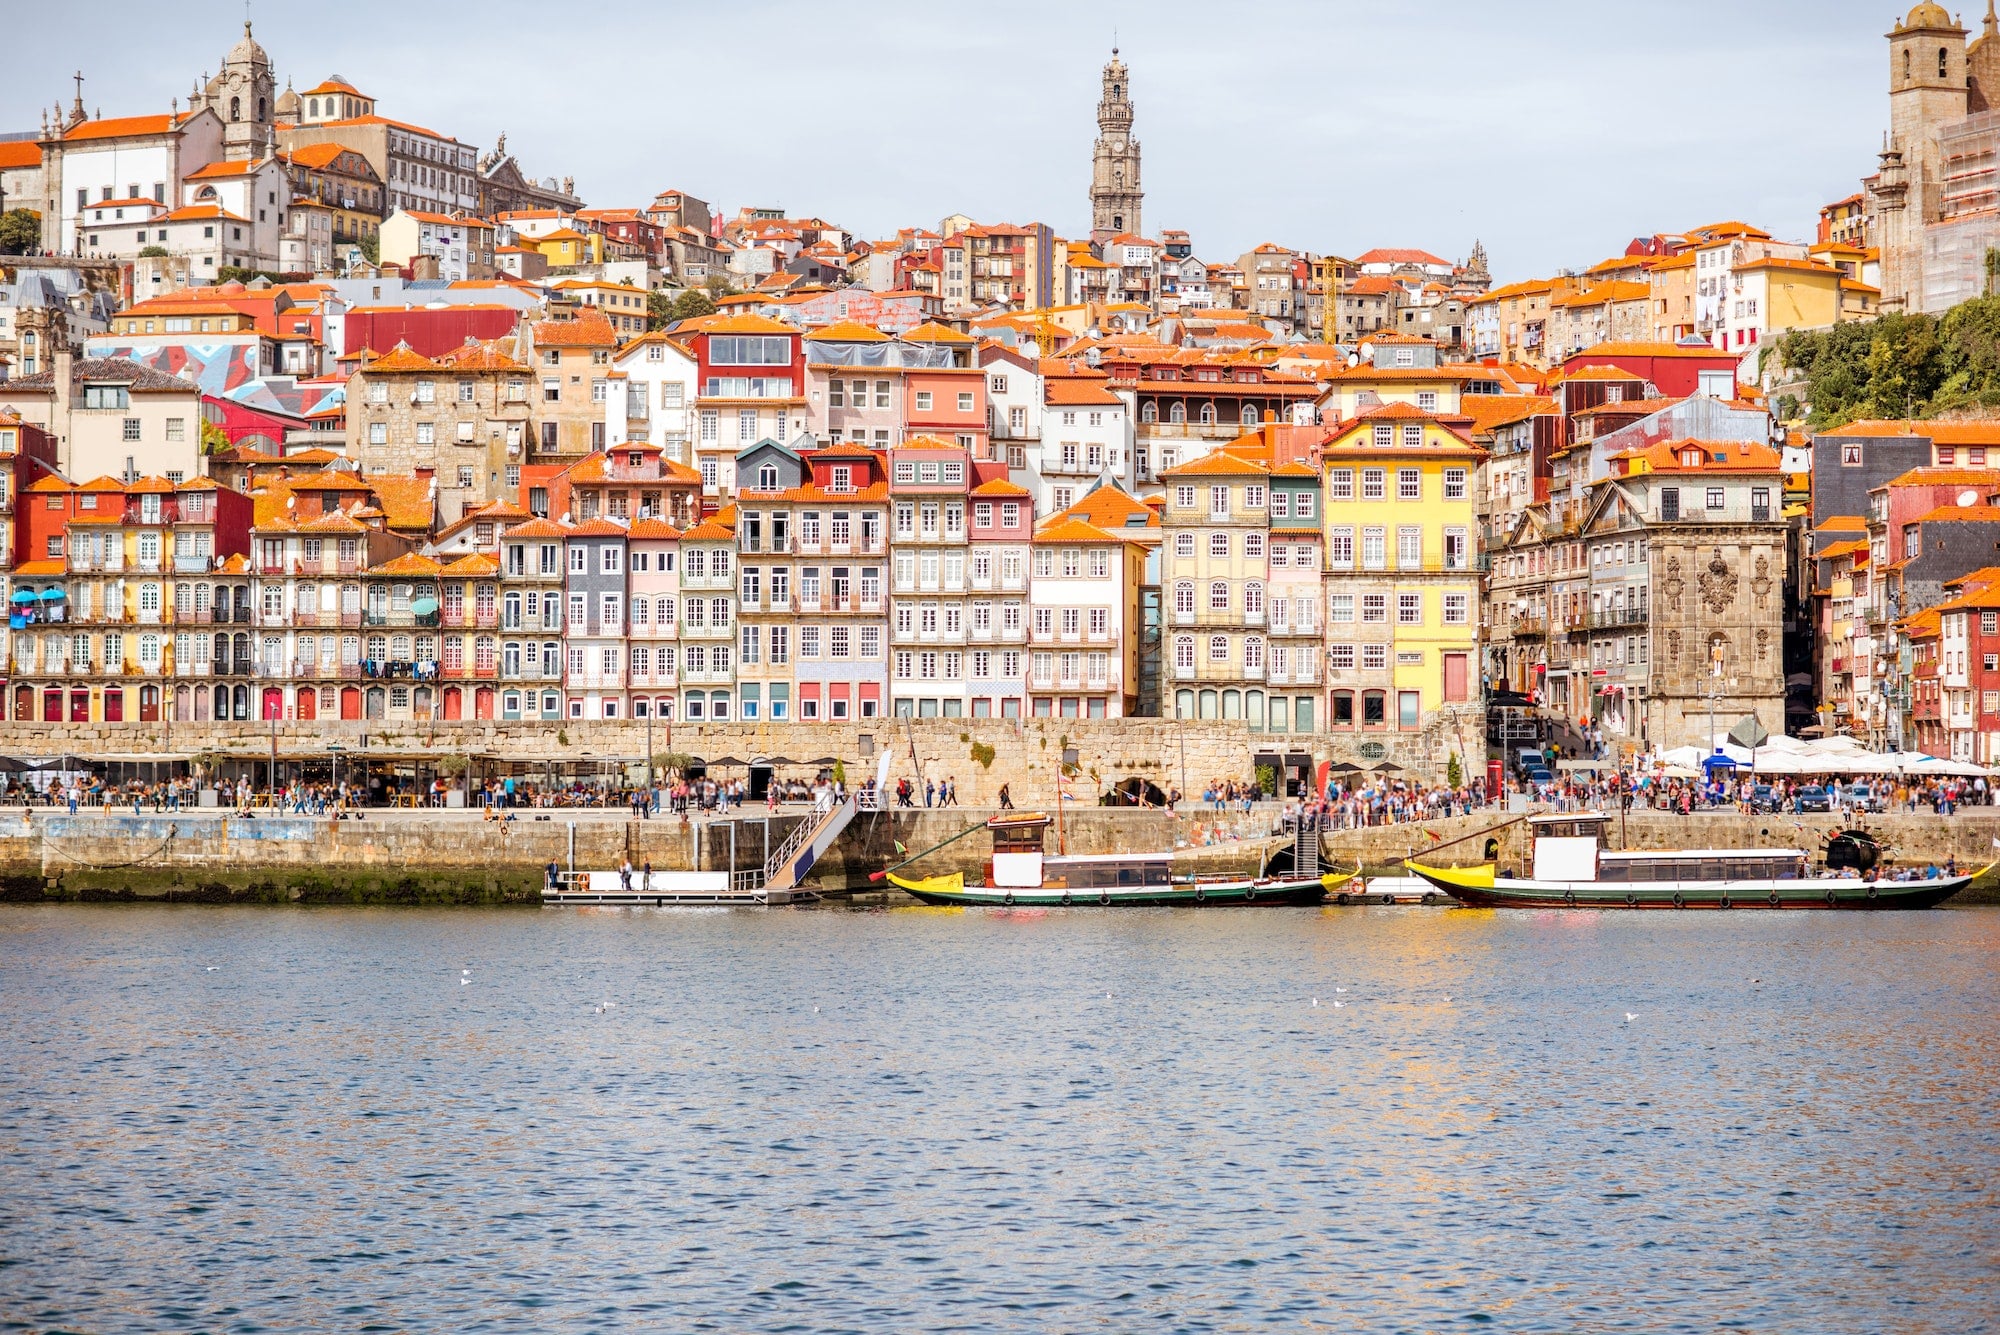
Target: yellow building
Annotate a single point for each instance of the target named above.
(1214, 576)
(1402, 584)
(565, 247)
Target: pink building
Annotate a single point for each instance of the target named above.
(652, 548)
(1002, 525)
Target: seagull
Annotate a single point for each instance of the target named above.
(1447, 998)
(211, 969)
(465, 982)
(1315, 1001)
(815, 1010)
(1339, 1003)
(1629, 1017)
(466, 972)
(1340, 989)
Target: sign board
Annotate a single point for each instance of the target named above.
(1749, 732)
(1372, 750)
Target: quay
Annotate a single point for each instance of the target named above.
(437, 857)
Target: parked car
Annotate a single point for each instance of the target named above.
(1863, 797)
(1763, 797)
(1539, 774)
(1812, 797)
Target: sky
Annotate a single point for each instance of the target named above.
(1552, 130)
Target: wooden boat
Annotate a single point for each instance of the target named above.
(1021, 874)
(1572, 869)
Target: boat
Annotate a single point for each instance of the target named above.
(1021, 874)
(665, 889)
(1573, 869)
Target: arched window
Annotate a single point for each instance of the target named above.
(1218, 595)
(1184, 651)
(1184, 597)
(1177, 414)
(1249, 414)
(1944, 66)
(1149, 411)
(236, 108)
(1253, 652)
(1906, 62)
(1253, 599)
(1218, 648)
(260, 108)
(1117, 91)
(1208, 414)
(312, 106)
(767, 477)
(149, 652)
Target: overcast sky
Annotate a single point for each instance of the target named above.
(1554, 130)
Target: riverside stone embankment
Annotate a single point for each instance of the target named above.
(456, 858)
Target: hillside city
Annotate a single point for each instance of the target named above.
(307, 412)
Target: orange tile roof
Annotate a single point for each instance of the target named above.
(1737, 456)
(1944, 477)
(1962, 513)
(848, 331)
(536, 528)
(472, 566)
(710, 530)
(217, 170)
(41, 569)
(1000, 486)
(1070, 392)
(409, 563)
(1940, 433)
(124, 127)
(1489, 412)
(1218, 463)
(597, 528)
(1063, 528)
(401, 358)
(16, 154)
(1843, 523)
(590, 329)
(653, 530)
(932, 332)
(1839, 549)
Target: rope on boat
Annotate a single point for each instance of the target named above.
(165, 845)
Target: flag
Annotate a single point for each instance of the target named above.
(1435, 836)
(900, 850)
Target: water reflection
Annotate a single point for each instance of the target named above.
(996, 1121)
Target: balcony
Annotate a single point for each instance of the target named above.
(1526, 627)
(1618, 616)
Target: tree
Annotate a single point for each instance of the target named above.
(371, 249)
(20, 231)
(690, 304)
(214, 440)
(153, 252)
(659, 310)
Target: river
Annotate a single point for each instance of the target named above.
(322, 1120)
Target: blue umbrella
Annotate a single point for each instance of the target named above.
(24, 596)
(53, 595)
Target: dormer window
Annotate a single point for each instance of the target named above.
(842, 478)
(1691, 458)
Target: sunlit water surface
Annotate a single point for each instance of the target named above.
(225, 1120)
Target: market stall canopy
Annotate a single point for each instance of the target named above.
(721, 761)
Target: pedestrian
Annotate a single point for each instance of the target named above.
(625, 875)
(930, 792)
(646, 876)
(1006, 799)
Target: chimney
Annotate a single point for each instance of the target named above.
(62, 364)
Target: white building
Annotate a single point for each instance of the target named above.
(660, 378)
(1086, 439)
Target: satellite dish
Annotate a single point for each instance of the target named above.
(1353, 359)
(1968, 497)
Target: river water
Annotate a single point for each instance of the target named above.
(919, 1120)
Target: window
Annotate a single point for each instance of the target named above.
(1340, 485)
(1409, 485)
(923, 400)
(1409, 609)
(1374, 607)
(1253, 497)
(1183, 545)
(1409, 547)
(1218, 596)
(965, 403)
(1374, 486)
(1218, 545)
(1340, 548)
(1454, 484)
(131, 429)
(1218, 648)
(1374, 548)
(1374, 656)
(1715, 498)
(1427, 400)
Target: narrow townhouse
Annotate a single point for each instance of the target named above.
(1002, 529)
(1084, 605)
(841, 531)
(708, 619)
(533, 573)
(594, 635)
(1217, 572)
(1297, 629)
(652, 676)
(929, 488)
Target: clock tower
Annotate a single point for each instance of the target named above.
(244, 97)
(1115, 195)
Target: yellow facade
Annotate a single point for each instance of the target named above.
(1402, 582)
(1214, 575)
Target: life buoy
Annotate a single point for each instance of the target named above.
(1065, 899)
(1104, 896)
(1775, 901)
(1249, 894)
(1873, 890)
(1832, 900)
(1631, 900)
(1679, 902)
(1724, 903)
(1342, 899)
(1428, 898)
(1569, 899)
(1008, 899)
(1201, 894)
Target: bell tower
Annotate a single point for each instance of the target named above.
(1115, 194)
(245, 97)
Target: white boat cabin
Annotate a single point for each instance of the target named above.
(1571, 848)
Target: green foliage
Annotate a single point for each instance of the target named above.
(20, 231)
(717, 285)
(1454, 773)
(983, 753)
(236, 273)
(659, 310)
(562, 736)
(451, 765)
(1267, 778)
(689, 305)
(1900, 365)
(154, 252)
(674, 762)
(370, 248)
(214, 440)
(840, 773)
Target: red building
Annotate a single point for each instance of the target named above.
(1676, 370)
(430, 331)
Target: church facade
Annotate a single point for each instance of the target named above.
(1934, 200)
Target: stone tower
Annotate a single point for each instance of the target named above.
(1115, 195)
(1927, 90)
(244, 97)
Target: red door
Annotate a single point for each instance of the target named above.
(308, 706)
(454, 702)
(274, 702)
(114, 705)
(1454, 678)
(149, 704)
(482, 702)
(79, 706)
(350, 702)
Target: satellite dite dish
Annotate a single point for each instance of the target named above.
(1968, 497)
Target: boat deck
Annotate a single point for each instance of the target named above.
(668, 890)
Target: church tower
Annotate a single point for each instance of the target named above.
(1115, 195)
(1927, 91)
(245, 98)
